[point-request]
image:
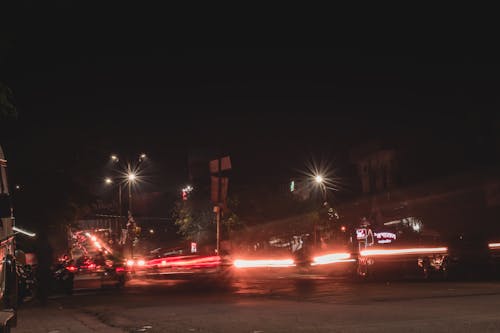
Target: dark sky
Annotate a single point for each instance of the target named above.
(83, 94)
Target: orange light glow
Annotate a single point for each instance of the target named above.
(331, 258)
(494, 245)
(415, 250)
(241, 263)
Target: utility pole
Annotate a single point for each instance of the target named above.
(218, 194)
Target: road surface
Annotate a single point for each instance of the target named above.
(279, 303)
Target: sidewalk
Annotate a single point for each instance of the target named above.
(52, 318)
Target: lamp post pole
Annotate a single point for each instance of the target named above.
(120, 200)
(319, 179)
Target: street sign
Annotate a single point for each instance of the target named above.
(225, 164)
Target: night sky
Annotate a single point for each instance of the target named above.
(83, 95)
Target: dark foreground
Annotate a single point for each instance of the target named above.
(291, 303)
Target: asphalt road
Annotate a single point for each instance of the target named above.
(290, 303)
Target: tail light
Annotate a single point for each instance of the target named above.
(71, 268)
(120, 269)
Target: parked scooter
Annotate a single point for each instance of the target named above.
(27, 282)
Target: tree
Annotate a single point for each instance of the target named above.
(7, 107)
(230, 220)
(196, 220)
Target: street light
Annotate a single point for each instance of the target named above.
(129, 175)
(319, 179)
(108, 180)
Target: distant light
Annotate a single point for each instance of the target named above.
(494, 245)
(151, 231)
(242, 263)
(18, 187)
(132, 176)
(318, 179)
(114, 158)
(108, 180)
(141, 262)
(292, 186)
(143, 156)
(93, 238)
(343, 228)
(130, 262)
(187, 189)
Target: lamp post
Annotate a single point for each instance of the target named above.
(109, 181)
(320, 181)
(130, 176)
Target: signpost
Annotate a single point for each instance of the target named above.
(219, 186)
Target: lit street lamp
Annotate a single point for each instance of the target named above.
(130, 175)
(320, 180)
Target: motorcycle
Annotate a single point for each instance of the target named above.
(27, 283)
